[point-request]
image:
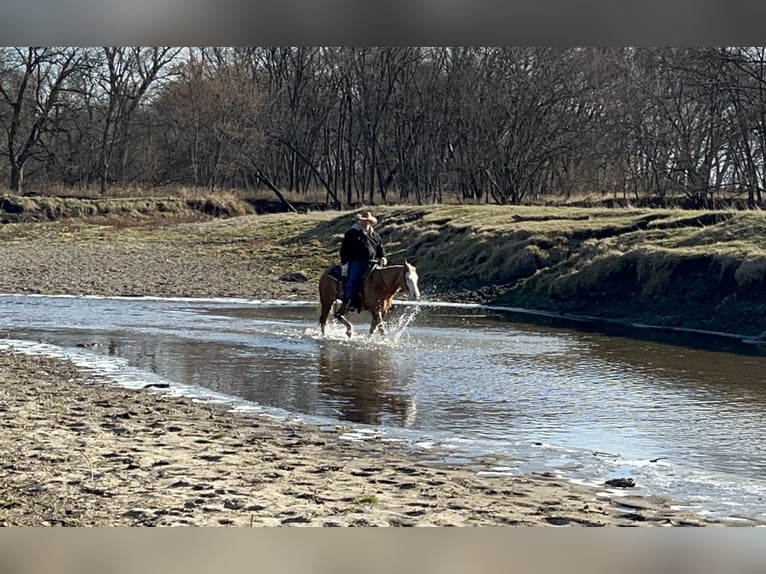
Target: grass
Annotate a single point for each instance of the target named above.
(370, 499)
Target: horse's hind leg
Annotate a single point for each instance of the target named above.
(323, 316)
(327, 296)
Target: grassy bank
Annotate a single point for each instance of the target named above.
(694, 269)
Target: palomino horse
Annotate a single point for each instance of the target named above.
(378, 292)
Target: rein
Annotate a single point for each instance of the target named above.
(383, 282)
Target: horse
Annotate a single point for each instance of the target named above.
(378, 291)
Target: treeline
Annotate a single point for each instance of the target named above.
(402, 124)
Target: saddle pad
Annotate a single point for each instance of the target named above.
(335, 273)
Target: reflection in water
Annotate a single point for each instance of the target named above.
(365, 384)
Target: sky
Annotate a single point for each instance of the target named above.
(385, 22)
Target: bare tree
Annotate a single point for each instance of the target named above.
(31, 84)
(376, 73)
(533, 109)
(372, 124)
(125, 78)
(302, 96)
(743, 77)
(211, 116)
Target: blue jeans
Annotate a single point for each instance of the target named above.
(356, 273)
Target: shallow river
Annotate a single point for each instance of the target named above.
(684, 421)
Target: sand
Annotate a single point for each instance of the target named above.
(77, 450)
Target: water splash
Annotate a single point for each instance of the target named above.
(403, 321)
(394, 329)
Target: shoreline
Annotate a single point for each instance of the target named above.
(299, 294)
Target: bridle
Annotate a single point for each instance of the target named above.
(403, 278)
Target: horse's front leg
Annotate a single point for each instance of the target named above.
(377, 323)
(340, 315)
(379, 316)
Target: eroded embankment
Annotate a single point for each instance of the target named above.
(25, 209)
(691, 269)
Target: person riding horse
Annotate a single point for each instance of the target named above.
(361, 247)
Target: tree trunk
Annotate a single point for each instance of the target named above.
(373, 165)
(349, 143)
(103, 178)
(276, 191)
(315, 170)
(17, 177)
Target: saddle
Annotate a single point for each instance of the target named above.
(336, 274)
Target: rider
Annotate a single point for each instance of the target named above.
(361, 247)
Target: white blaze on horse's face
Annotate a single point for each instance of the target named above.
(412, 282)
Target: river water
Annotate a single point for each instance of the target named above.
(685, 420)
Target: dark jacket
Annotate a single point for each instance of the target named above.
(360, 246)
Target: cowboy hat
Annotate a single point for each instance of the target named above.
(367, 216)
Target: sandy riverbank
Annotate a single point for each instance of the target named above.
(78, 451)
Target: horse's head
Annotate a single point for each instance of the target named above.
(411, 280)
